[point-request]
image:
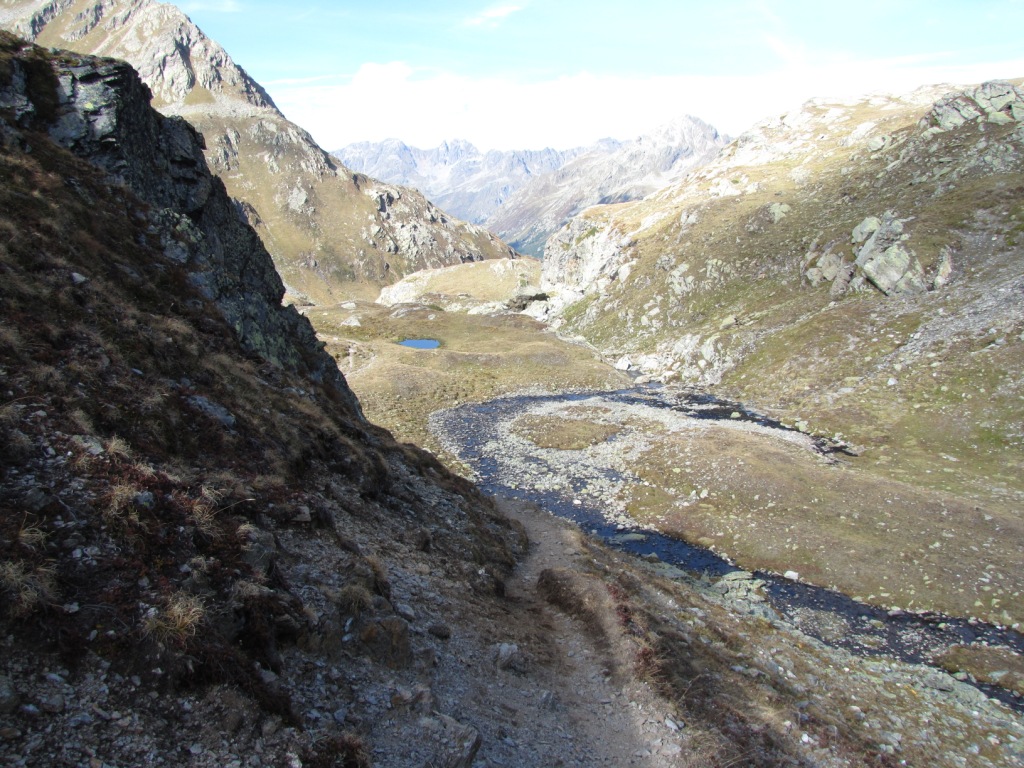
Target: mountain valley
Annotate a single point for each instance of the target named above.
(241, 523)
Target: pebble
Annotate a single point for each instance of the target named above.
(53, 704)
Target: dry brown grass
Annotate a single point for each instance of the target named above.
(119, 511)
(30, 536)
(354, 599)
(205, 518)
(178, 621)
(27, 587)
(118, 447)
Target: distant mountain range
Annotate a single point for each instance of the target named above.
(526, 195)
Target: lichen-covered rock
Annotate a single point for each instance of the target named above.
(996, 102)
(887, 263)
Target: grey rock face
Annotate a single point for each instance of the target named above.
(995, 102)
(102, 114)
(882, 259)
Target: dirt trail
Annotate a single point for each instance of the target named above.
(615, 721)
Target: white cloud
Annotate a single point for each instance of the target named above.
(492, 17)
(423, 108)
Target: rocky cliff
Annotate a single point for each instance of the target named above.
(100, 111)
(331, 232)
(851, 266)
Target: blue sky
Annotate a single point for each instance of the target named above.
(528, 74)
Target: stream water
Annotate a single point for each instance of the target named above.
(835, 619)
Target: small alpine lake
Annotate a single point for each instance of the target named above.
(420, 343)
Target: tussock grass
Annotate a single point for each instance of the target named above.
(178, 621)
(28, 588)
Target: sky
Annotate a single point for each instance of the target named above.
(528, 74)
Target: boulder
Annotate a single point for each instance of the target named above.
(886, 262)
(459, 743)
(865, 229)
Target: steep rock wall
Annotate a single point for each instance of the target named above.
(100, 110)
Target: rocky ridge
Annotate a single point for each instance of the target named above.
(332, 232)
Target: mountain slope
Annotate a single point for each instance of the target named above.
(189, 494)
(208, 558)
(332, 232)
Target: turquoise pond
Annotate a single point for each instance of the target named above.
(421, 343)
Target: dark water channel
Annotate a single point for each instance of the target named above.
(829, 616)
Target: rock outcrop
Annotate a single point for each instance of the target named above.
(881, 259)
(331, 232)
